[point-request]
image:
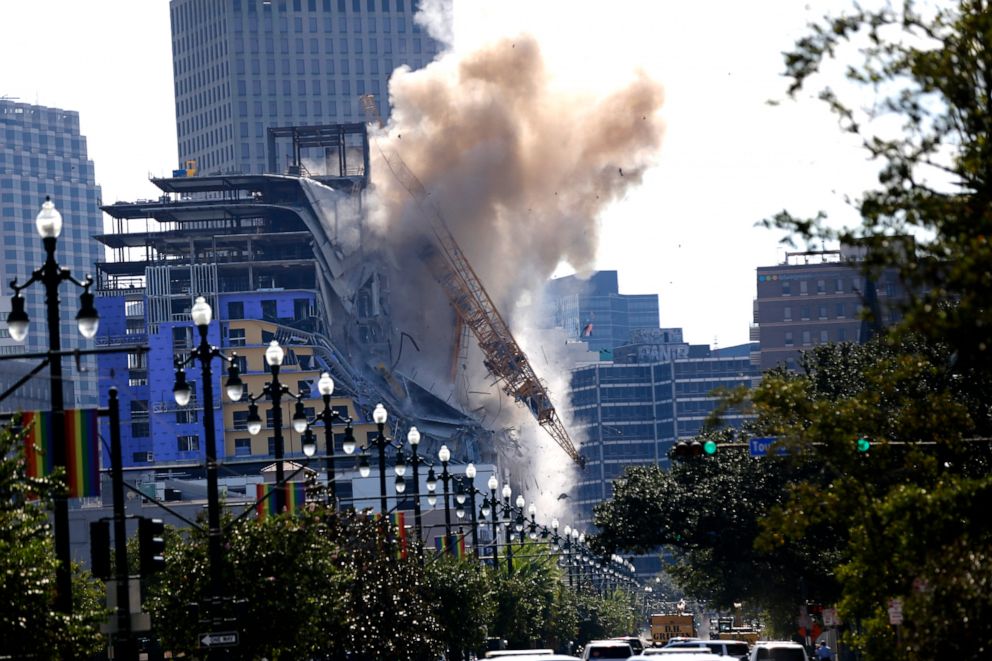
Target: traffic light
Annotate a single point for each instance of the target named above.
(100, 548)
(151, 543)
(709, 447)
(684, 449)
(863, 444)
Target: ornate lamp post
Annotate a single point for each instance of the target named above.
(444, 454)
(507, 492)
(470, 475)
(492, 484)
(51, 275)
(413, 438)
(202, 315)
(379, 416)
(325, 384)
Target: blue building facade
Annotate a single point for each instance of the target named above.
(595, 311)
(244, 66)
(631, 411)
(42, 153)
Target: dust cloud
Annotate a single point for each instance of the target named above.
(520, 169)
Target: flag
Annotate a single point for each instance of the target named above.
(453, 544)
(82, 449)
(399, 522)
(290, 498)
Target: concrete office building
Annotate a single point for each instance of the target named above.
(42, 153)
(817, 297)
(595, 311)
(244, 66)
(632, 410)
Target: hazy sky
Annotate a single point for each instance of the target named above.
(728, 158)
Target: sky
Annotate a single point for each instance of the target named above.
(729, 157)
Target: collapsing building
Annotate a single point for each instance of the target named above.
(286, 257)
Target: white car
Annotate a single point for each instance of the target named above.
(606, 649)
(778, 650)
(735, 649)
(680, 653)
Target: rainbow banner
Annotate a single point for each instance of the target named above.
(82, 449)
(399, 523)
(289, 498)
(454, 544)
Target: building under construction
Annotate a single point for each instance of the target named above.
(288, 257)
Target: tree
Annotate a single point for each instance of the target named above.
(29, 624)
(459, 592)
(706, 511)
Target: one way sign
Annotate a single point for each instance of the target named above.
(219, 639)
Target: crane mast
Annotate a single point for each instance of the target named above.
(503, 356)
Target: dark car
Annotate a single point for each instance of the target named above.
(636, 644)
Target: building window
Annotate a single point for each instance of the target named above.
(304, 387)
(806, 340)
(242, 447)
(823, 312)
(242, 363)
(842, 335)
(824, 338)
(804, 312)
(803, 287)
(787, 314)
(786, 288)
(269, 310)
(839, 285)
(839, 310)
(821, 286)
(140, 430)
(236, 337)
(236, 309)
(240, 420)
(188, 443)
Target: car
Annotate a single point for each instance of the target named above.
(778, 650)
(676, 653)
(736, 649)
(636, 644)
(681, 655)
(679, 639)
(606, 649)
(515, 654)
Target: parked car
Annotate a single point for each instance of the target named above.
(737, 649)
(499, 654)
(606, 649)
(778, 650)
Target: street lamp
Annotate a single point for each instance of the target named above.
(379, 416)
(444, 454)
(49, 225)
(202, 315)
(431, 487)
(492, 484)
(507, 492)
(325, 385)
(470, 475)
(518, 523)
(274, 355)
(413, 438)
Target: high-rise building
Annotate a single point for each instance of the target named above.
(817, 297)
(242, 67)
(632, 410)
(43, 154)
(595, 311)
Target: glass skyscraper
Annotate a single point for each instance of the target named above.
(596, 312)
(243, 66)
(42, 153)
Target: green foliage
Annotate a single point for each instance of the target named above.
(605, 616)
(459, 592)
(29, 624)
(706, 511)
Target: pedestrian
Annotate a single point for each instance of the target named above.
(823, 652)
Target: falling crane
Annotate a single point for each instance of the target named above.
(503, 356)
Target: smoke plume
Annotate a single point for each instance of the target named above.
(521, 170)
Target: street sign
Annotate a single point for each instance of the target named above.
(759, 446)
(895, 611)
(219, 639)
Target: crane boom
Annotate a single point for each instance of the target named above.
(503, 356)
